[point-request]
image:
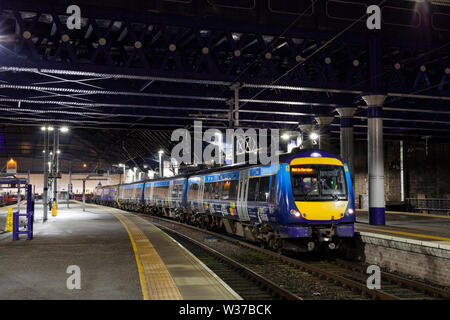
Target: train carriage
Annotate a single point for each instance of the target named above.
(130, 196)
(98, 194)
(303, 202)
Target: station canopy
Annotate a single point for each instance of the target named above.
(134, 72)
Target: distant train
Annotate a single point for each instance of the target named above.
(8, 199)
(301, 204)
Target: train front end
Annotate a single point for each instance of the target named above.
(316, 201)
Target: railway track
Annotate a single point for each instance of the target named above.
(334, 279)
(248, 284)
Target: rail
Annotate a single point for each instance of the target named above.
(304, 267)
(264, 282)
(336, 278)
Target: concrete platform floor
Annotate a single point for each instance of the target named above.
(99, 244)
(409, 225)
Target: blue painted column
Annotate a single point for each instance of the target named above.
(347, 136)
(375, 158)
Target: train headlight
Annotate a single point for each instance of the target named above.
(350, 211)
(295, 213)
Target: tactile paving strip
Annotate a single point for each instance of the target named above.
(156, 281)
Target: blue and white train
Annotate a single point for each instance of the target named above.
(304, 202)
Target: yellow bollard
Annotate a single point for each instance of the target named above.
(9, 220)
(54, 209)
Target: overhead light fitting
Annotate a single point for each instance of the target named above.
(314, 136)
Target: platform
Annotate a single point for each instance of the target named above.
(120, 255)
(426, 227)
(412, 243)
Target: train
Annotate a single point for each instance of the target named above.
(303, 203)
(8, 199)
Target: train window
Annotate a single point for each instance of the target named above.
(229, 190)
(212, 190)
(165, 191)
(180, 191)
(253, 186)
(325, 182)
(233, 190)
(225, 189)
(147, 191)
(333, 182)
(273, 189)
(193, 191)
(161, 192)
(215, 190)
(263, 191)
(174, 193)
(209, 190)
(137, 192)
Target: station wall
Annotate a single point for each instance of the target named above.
(426, 169)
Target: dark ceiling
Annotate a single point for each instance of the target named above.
(98, 148)
(137, 70)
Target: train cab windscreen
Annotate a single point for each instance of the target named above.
(319, 183)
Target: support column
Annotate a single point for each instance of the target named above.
(306, 130)
(347, 137)
(136, 174)
(236, 107)
(324, 135)
(46, 158)
(161, 164)
(234, 117)
(69, 188)
(84, 195)
(402, 174)
(55, 164)
(375, 157)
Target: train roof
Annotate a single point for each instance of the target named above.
(283, 158)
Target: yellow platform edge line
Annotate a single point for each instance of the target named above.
(410, 214)
(142, 279)
(406, 233)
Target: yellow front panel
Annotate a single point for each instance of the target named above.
(318, 160)
(322, 210)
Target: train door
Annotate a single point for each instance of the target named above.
(121, 192)
(134, 193)
(169, 195)
(242, 195)
(152, 188)
(201, 192)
